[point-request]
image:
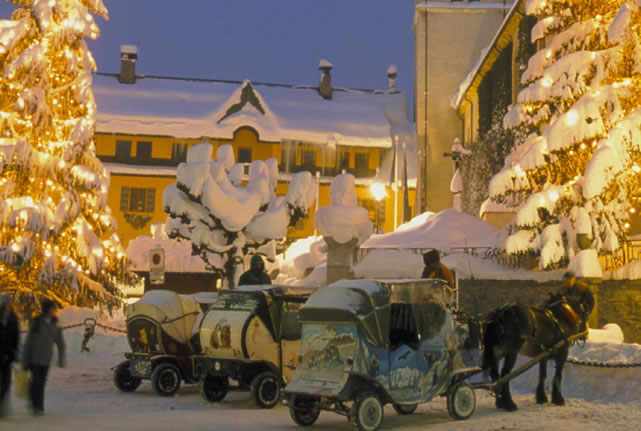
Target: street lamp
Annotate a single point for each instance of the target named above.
(379, 192)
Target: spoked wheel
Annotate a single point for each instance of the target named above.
(266, 389)
(165, 379)
(302, 411)
(405, 409)
(124, 380)
(214, 388)
(461, 401)
(367, 412)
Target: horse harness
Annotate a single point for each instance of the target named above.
(566, 312)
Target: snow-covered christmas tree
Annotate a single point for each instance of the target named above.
(574, 178)
(224, 219)
(57, 235)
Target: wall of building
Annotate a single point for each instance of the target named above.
(448, 44)
(130, 195)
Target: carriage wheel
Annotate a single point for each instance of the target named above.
(405, 409)
(301, 412)
(214, 388)
(266, 389)
(166, 379)
(367, 412)
(461, 401)
(124, 380)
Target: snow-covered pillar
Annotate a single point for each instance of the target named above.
(456, 185)
(344, 225)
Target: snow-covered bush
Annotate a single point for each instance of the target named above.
(58, 237)
(343, 220)
(209, 205)
(578, 170)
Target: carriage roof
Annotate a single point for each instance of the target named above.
(367, 302)
(175, 313)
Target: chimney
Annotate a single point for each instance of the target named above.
(325, 87)
(128, 56)
(391, 76)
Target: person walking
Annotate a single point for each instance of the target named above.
(9, 341)
(38, 351)
(256, 273)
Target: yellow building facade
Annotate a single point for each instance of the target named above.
(142, 164)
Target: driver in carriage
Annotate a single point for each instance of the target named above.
(435, 269)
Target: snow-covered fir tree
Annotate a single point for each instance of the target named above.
(224, 219)
(580, 104)
(57, 234)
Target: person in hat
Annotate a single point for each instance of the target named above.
(256, 273)
(435, 269)
(38, 351)
(9, 341)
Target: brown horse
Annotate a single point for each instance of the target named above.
(514, 329)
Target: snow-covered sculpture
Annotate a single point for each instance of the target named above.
(576, 174)
(209, 205)
(58, 237)
(344, 225)
(456, 184)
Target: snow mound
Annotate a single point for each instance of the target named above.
(445, 230)
(630, 271)
(586, 264)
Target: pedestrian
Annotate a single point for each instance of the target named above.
(256, 273)
(435, 269)
(9, 341)
(38, 351)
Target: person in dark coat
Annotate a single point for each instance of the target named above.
(256, 273)
(38, 351)
(435, 269)
(9, 341)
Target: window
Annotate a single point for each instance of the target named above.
(361, 164)
(343, 162)
(308, 158)
(123, 148)
(143, 150)
(179, 152)
(244, 155)
(137, 199)
(373, 207)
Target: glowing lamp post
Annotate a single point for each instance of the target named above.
(379, 192)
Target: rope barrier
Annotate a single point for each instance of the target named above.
(596, 364)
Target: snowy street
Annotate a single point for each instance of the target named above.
(82, 397)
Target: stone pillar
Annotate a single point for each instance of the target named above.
(340, 259)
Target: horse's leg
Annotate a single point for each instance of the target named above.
(541, 398)
(557, 396)
(504, 399)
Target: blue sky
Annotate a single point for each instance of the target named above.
(274, 41)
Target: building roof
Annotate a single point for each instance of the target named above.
(488, 57)
(196, 108)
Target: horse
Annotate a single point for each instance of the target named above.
(514, 328)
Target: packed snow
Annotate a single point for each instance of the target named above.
(444, 230)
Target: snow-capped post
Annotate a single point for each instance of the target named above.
(57, 233)
(579, 169)
(344, 225)
(456, 185)
(223, 219)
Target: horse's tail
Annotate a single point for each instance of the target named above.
(490, 340)
(501, 327)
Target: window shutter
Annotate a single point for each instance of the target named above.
(151, 200)
(124, 198)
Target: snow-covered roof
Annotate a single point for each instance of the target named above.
(490, 53)
(191, 108)
(443, 230)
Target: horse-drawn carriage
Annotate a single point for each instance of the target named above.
(252, 335)
(160, 327)
(367, 343)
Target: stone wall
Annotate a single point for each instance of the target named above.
(616, 301)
